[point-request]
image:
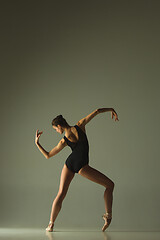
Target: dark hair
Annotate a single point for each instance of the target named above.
(59, 120)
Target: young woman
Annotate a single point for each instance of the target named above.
(77, 162)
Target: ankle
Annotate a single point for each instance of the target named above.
(108, 215)
(51, 222)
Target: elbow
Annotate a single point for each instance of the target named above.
(47, 156)
(97, 110)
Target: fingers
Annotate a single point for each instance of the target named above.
(38, 133)
(116, 118)
(113, 113)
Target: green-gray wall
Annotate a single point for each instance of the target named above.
(69, 58)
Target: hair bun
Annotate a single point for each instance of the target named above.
(60, 116)
(59, 120)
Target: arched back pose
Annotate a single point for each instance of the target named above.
(77, 162)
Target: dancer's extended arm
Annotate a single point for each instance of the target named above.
(88, 118)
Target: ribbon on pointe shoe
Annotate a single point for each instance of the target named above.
(107, 215)
(51, 222)
(49, 228)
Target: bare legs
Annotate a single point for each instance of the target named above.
(65, 180)
(96, 176)
(93, 175)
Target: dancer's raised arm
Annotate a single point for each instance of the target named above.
(52, 152)
(88, 118)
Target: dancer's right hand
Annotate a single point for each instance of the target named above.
(114, 114)
(38, 134)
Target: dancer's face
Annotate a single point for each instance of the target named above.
(58, 128)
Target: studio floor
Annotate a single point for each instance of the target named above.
(61, 234)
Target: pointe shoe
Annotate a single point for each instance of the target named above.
(107, 217)
(50, 226)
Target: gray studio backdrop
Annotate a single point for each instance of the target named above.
(69, 58)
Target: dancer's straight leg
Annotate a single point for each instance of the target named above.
(65, 180)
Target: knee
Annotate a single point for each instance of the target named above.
(113, 185)
(61, 195)
(110, 186)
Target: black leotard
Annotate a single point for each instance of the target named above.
(80, 151)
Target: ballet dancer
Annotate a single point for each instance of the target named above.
(77, 162)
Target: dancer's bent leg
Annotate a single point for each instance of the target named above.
(98, 177)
